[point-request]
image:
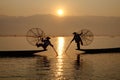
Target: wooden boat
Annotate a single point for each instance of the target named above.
(18, 53)
(103, 50)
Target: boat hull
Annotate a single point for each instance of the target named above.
(18, 53)
(104, 50)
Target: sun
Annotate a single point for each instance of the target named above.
(60, 12)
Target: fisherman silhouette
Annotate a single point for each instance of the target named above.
(77, 39)
(45, 44)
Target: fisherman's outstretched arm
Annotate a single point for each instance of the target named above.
(72, 39)
(51, 44)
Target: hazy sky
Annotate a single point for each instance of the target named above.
(70, 7)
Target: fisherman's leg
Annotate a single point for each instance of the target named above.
(38, 45)
(78, 46)
(41, 45)
(44, 47)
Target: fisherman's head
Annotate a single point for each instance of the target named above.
(48, 38)
(74, 33)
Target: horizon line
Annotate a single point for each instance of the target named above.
(56, 15)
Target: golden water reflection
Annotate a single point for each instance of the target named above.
(60, 50)
(60, 46)
(59, 68)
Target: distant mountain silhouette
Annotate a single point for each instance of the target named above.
(54, 25)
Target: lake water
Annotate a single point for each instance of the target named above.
(46, 66)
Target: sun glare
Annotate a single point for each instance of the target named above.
(60, 12)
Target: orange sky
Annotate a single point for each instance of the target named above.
(70, 7)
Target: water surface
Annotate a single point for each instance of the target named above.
(46, 66)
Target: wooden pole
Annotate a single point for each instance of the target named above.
(68, 46)
(55, 51)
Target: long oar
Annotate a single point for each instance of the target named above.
(68, 46)
(55, 51)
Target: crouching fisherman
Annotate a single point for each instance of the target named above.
(45, 44)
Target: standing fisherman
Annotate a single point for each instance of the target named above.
(77, 39)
